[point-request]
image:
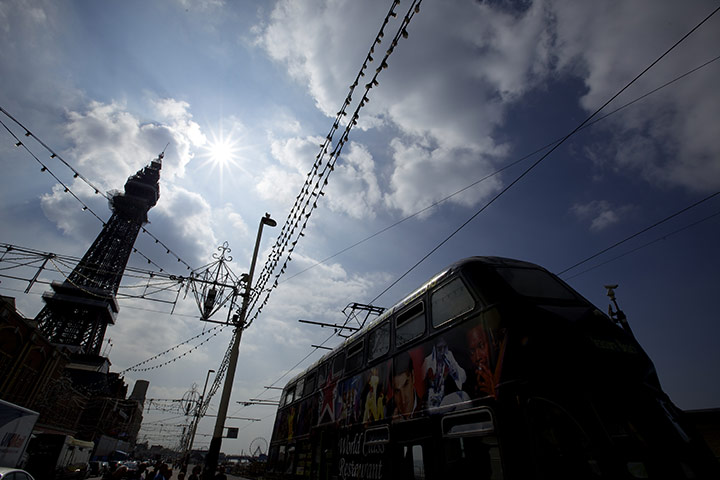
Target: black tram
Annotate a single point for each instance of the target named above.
(493, 369)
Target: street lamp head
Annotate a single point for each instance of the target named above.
(268, 221)
(211, 371)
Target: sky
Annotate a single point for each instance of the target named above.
(241, 95)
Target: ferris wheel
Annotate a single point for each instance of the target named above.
(258, 447)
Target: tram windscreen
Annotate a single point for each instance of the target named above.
(531, 282)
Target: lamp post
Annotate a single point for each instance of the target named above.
(197, 415)
(211, 458)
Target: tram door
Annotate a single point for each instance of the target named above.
(324, 446)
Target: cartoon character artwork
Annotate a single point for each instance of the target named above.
(443, 375)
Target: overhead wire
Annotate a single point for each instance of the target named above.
(17, 257)
(318, 177)
(497, 172)
(78, 175)
(647, 244)
(305, 196)
(640, 232)
(544, 156)
(587, 123)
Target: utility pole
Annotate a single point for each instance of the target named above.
(211, 459)
(198, 414)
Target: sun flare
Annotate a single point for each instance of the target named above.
(224, 151)
(221, 152)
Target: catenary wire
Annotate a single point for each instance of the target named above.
(647, 244)
(78, 175)
(554, 145)
(498, 171)
(544, 156)
(640, 232)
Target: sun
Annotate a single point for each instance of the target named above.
(224, 152)
(221, 152)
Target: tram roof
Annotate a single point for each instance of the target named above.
(435, 279)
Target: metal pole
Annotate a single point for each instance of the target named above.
(197, 414)
(211, 459)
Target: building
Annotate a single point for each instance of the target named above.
(53, 364)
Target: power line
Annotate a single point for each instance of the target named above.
(554, 145)
(650, 227)
(498, 171)
(78, 175)
(542, 158)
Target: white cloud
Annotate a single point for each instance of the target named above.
(600, 213)
(109, 143)
(446, 105)
(424, 175)
(449, 88)
(279, 184)
(228, 217)
(184, 133)
(353, 187)
(318, 296)
(608, 44)
(66, 212)
(296, 153)
(184, 220)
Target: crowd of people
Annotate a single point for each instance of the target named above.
(158, 471)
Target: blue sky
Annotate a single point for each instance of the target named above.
(474, 87)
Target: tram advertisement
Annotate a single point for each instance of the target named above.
(443, 374)
(359, 459)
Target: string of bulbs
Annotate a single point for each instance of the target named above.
(324, 164)
(77, 175)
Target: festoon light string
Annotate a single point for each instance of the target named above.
(317, 178)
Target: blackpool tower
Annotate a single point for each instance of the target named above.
(78, 310)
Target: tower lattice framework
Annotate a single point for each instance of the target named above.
(78, 310)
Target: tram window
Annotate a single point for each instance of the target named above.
(408, 461)
(290, 460)
(299, 388)
(418, 465)
(479, 422)
(322, 374)
(531, 282)
(310, 384)
(410, 324)
(354, 356)
(281, 459)
(375, 436)
(338, 363)
(379, 341)
(450, 301)
(290, 395)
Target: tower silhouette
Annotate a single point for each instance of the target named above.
(78, 310)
